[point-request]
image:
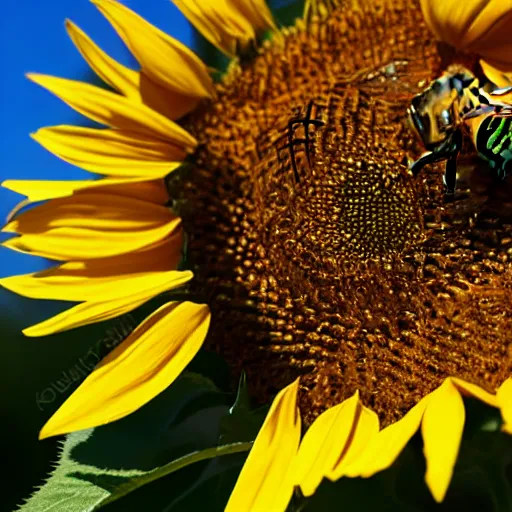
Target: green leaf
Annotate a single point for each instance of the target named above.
(125, 488)
(96, 462)
(212, 491)
(37, 375)
(63, 492)
(211, 488)
(40, 374)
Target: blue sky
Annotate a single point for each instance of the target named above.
(33, 39)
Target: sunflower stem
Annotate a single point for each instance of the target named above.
(173, 466)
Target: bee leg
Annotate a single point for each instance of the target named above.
(425, 159)
(430, 157)
(450, 173)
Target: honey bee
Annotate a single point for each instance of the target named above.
(455, 104)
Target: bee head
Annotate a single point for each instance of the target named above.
(434, 113)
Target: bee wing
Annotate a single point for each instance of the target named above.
(501, 91)
(483, 110)
(501, 97)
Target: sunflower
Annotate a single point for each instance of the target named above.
(358, 300)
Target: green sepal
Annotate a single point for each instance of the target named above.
(242, 423)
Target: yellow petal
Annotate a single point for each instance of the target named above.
(63, 244)
(489, 33)
(81, 280)
(111, 152)
(171, 104)
(89, 226)
(266, 480)
(110, 301)
(256, 12)
(152, 191)
(386, 446)
(450, 20)
(474, 391)
(164, 59)
(495, 75)
(39, 190)
(121, 78)
(42, 190)
(132, 84)
(366, 429)
(209, 22)
(137, 370)
(325, 443)
(442, 426)
(104, 212)
(479, 26)
(164, 255)
(504, 397)
(98, 282)
(228, 24)
(115, 110)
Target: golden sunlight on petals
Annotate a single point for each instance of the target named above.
(366, 429)
(442, 427)
(504, 396)
(146, 190)
(106, 279)
(323, 444)
(70, 228)
(153, 191)
(63, 244)
(164, 59)
(140, 368)
(474, 391)
(441, 415)
(386, 446)
(171, 104)
(121, 78)
(228, 24)
(266, 480)
(489, 34)
(68, 286)
(104, 212)
(162, 256)
(256, 11)
(449, 19)
(479, 26)
(496, 76)
(132, 84)
(110, 302)
(115, 110)
(111, 152)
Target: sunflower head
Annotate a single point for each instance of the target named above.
(324, 263)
